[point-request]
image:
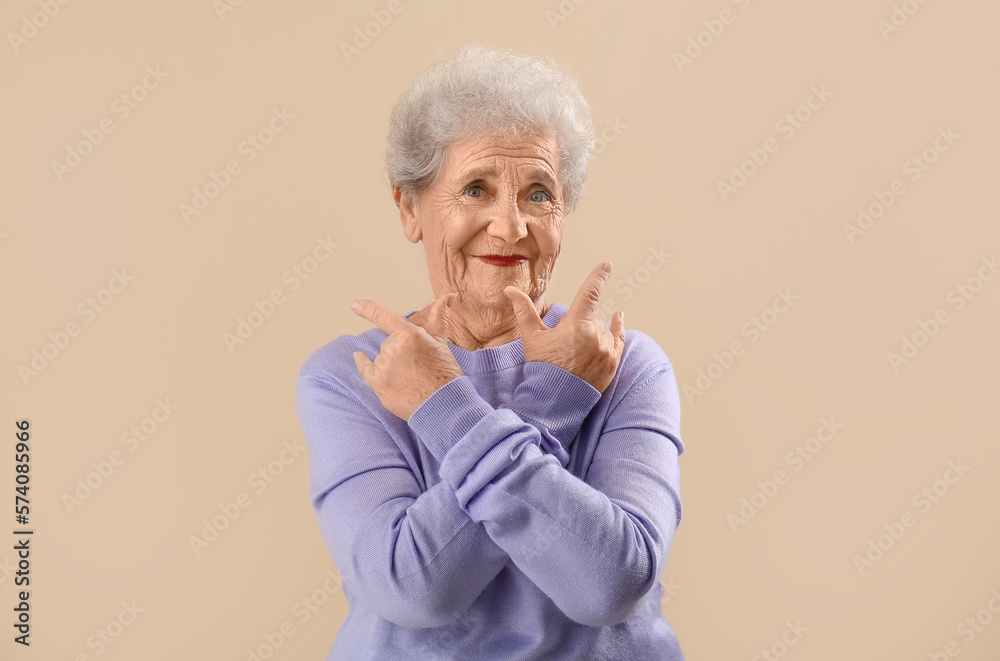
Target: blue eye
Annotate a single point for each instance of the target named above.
(474, 188)
(540, 196)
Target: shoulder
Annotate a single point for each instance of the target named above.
(642, 357)
(333, 362)
(645, 388)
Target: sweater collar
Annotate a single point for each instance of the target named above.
(502, 356)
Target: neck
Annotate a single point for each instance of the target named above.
(473, 327)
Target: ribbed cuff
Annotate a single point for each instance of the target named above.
(554, 397)
(448, 415)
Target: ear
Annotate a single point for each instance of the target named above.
(407, 204)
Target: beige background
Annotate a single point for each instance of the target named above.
(654, 184)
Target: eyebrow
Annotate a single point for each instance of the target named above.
(536, 175)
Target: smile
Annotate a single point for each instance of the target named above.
(501, 260)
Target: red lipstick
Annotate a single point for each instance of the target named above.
(502, 260)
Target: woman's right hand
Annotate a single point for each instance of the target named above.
(580, 343)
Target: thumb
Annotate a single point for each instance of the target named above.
(437, 317)
(524, 310)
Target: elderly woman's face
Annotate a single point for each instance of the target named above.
(494, 218)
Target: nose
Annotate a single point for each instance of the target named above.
(506, 220)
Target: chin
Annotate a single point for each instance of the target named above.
(495, 299)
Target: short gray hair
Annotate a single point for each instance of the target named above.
(481, 91)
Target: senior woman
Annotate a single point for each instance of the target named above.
(495, 476)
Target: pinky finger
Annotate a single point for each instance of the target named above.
(365, 366)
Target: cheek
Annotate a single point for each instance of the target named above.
(452, 229)
(548, 239)
(460, 239)
(549, 236)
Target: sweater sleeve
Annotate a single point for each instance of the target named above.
(556, 402)
(414, 557)
(595, 546)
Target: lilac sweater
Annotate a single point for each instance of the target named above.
(519, 513)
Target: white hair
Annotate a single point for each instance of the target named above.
(481, 91)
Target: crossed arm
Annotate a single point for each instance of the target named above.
(420, 558)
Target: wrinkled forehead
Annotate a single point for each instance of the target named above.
(524, 158)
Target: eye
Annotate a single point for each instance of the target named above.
(475, 190)
(540, 196)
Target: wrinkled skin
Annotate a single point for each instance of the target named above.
(494, 196)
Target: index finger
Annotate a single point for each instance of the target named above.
(585, 302)
(381, 316)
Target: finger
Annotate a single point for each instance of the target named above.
(524, 310)
(381, 316)
(365, 367)
(618, 331)
(585, 303)
(437, 317)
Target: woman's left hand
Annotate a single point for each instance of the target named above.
(413, 362)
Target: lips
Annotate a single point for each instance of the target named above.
(502, 260)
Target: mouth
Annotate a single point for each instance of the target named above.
(501, 260)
